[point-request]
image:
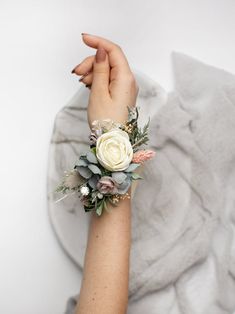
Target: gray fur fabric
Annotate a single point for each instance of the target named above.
(183, 217)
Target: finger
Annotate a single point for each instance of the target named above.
(87, 79)
(121, 76)
(85, 66)
(88, 86)
(117, 59)
(100, 82)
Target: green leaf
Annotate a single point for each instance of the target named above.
(99, 209)
(59, 188)
(91, 158)
(132, 167)
(136, 176)
(123, 188)
(94, 169)
(81, 162)
(93, 181)
(83, 154)
(93, 149)
(119, 176)
(106, 207)
(84, 172)
(132, 113)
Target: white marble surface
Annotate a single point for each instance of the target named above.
(40, 44)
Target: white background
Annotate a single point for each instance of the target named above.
(40, 43)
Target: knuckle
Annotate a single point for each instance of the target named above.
(118, 47)
(86, 80)
(86, 61)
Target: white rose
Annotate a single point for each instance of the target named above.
(114, 150)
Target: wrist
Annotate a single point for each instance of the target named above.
(105, 174)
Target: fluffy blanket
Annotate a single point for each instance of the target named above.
(183, 217)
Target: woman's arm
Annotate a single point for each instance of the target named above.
(104, 288)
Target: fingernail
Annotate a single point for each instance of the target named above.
(73, 70)
(85, 34)
(100, 55)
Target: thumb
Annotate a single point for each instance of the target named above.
(100, 81)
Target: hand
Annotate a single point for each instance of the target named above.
(113, 85)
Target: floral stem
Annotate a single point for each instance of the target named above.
(138, 142)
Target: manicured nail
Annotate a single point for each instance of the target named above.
(73, 70)
(100, 55)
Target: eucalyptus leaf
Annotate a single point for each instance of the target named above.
(94, 169)
(83, 154)
(84, 172)
(99, 209)
(93, 181)
(136, 176)
(119, 176)
(91, 158)
(132, 167)
(123, 188)
(81, 162)
(106, 207)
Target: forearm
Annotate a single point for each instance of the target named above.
(104, 288)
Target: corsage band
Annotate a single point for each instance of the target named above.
(104, 173)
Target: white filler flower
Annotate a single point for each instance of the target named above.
(84, 190)
(114, 150)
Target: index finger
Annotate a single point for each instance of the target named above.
(117, 59)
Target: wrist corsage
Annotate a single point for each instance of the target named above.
(105, 172)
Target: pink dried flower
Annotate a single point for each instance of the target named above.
(143, 155)
(107, 185)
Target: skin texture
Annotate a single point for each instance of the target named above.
(113, 85)
(104, 288)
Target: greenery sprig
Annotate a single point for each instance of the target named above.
(100, 182)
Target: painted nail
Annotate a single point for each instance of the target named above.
(73, 70)
(100, 55)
